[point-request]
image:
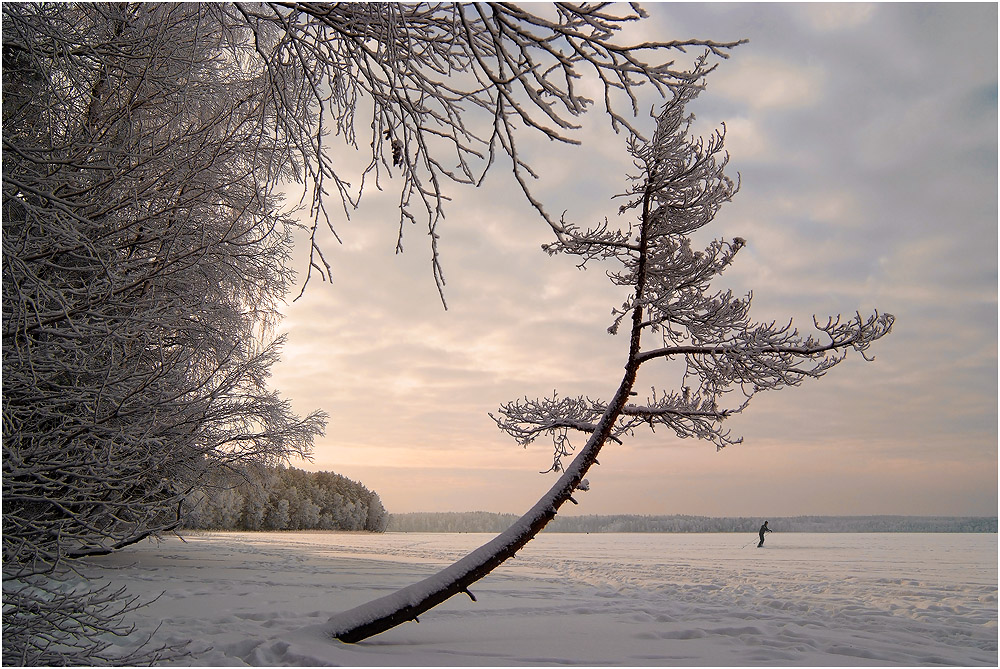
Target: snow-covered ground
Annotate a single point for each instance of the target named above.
(598, 599)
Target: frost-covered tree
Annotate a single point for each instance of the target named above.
(245, 498)
(672, 313)
(145, 245)
(143, 268)
(143, 265)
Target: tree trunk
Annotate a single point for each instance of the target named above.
(403, 605)
(406, 604)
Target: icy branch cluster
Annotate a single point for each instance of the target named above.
(556, 417)
(688, 415)
(452, 86)
(681, 187)
(38, 632)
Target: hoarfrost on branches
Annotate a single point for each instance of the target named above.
(144, 265)
(681, 186)
(451, 86)
(679, 189)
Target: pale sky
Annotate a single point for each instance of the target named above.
(866, 140)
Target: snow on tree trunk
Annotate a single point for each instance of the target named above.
(407, 604)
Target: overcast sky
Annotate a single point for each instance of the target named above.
(866, 141)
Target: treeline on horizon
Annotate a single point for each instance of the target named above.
(482, 521)
(284, 498)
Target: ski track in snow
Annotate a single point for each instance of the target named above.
(601, 599)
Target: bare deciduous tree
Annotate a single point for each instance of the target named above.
(143, 265)
(680, 188)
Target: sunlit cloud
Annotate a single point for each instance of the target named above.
(830, 16)
(761, 82)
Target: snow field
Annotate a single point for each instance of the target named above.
(599, 599)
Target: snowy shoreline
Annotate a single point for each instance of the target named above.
(627, 599)
(484, 521)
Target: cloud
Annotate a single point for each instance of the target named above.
(834, 16)
(765, 83)
(746, 140)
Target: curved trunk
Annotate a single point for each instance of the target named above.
(406, 604)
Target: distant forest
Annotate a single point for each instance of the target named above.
(480, 521)
(284, 498)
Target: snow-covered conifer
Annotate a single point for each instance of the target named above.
(671, 313)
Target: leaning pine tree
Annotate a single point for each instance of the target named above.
(672, 314)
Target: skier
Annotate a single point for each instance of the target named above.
(763, 528)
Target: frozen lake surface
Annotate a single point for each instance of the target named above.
(595, 599)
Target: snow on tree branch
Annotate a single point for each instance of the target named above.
(687, 414)
(145, 259)
(767, 356)
(451, 87)
(680, 189)
(527, 420)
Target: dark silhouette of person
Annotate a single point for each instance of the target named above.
(763, 528)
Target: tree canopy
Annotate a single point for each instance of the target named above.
(284, 498)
